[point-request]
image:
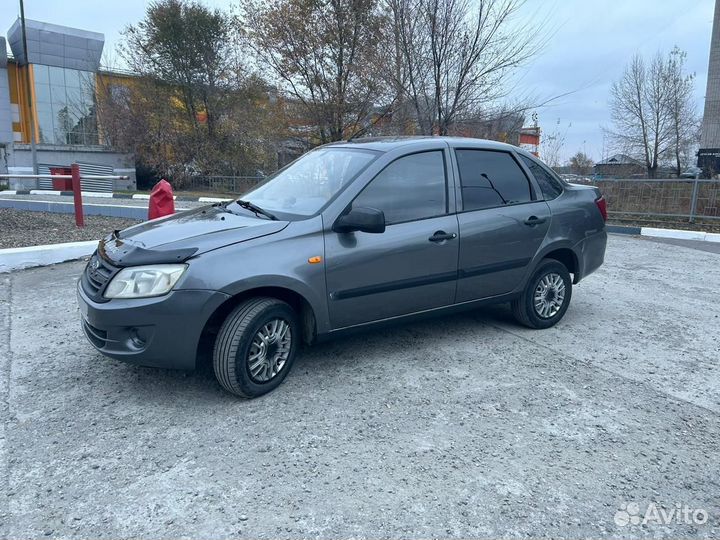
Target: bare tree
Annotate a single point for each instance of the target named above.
(552, 145)
(137, 115)
(141, 115)
(324, 55)
(454, 56)
(501, 123)
(581, 164)
(642, 117)
(681, 105)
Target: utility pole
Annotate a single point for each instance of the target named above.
(28, 91)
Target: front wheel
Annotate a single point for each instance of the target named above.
(256, 347)
(546, 297)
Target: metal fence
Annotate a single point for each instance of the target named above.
(686, 200)
(679, 199)
(235, 185)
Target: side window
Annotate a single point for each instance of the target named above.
(549, 185)
(491, 178)
(410, 188)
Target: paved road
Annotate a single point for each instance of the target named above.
(711, 247)
(468, 426)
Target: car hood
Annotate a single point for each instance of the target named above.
(182, 235)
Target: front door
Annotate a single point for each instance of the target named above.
(410, 267)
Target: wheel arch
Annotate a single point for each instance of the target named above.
(301, 305)
(564, 254)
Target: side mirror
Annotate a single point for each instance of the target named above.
(361, 218)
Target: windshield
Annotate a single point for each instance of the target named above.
(307, 184)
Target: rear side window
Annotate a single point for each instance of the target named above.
(549, 185)
(410, 188)
(489, 179)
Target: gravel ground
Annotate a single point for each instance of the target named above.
(464, 427)
(20, 228)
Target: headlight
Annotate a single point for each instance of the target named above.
(144, 281)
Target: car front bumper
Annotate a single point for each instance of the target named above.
(163, 331)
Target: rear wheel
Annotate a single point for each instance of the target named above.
(256, 347)
(546, 297)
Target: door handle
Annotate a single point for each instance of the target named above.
(441, 236)
(534, 220)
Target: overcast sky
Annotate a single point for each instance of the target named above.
(590, 42)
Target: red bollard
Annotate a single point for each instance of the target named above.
(161, 200)
(77, 195)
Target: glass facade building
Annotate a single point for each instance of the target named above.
(49, 94)
(65, 105)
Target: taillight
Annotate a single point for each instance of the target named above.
(602, 206)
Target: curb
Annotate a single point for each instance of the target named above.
(107, 195)
(28, 257)
(620, 229)
(678, 234)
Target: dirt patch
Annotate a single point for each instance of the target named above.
(19, 228)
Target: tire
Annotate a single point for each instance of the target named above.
(524, 307)
(245, 334)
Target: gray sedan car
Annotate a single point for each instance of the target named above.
(350, 235)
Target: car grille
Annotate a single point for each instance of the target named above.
(96, 336)
(96, 276)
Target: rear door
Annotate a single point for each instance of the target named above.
(502, 222)
(410, 267)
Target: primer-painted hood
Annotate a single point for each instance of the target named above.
(199, 230)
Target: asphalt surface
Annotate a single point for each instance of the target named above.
(711, 247)
(467, 426)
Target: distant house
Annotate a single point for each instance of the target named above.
(619, 166)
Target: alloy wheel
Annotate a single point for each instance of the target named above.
(269, 350)
(549, 295)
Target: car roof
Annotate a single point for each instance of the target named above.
(385, 144)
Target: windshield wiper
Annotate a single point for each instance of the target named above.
(256, 209)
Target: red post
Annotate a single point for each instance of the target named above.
(77, 195)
